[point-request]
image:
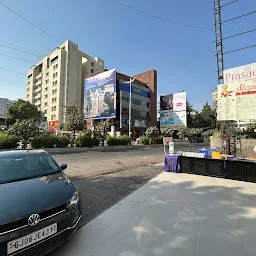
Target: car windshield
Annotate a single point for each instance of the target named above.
(21, 167)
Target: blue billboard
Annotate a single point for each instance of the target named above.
(135, 90)
(100, 95)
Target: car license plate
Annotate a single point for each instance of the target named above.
(25, 241)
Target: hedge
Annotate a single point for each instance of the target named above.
(119, 141)
(144, 140)
(86, 141)
(8, 141)
(50, 141)
(158, 140)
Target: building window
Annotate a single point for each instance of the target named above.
(46, 96)
(46, 89)
(54, 91)
(29, 76)
(92, 63)
(55, 59)
(45, 104)
(47, 81)
(47, 74)
(55, 74)
(92, 71)
(27, 95)
(45, 111)
(54, 108)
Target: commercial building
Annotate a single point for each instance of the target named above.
(107, 95)
(57, 80)
(4, 104)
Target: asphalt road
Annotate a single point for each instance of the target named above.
(93, 163)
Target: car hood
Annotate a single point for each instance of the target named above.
(22, 198)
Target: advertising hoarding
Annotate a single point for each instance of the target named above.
(166, 102)
(175, 102)
(53, 125)
(239, 74)
(236, 101)
(180, 101)
(100, 96)
(172, 118)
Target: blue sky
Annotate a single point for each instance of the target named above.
(127, 40)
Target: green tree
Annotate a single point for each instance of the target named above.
(151, 131)
(25, 129)
(208, 117)
(22, 110)
(250, 131)
(190, 112)
(74, 121)
(101, 130)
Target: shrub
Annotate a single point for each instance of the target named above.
(86, 141)
(61, 142)
(120, 141)
(144, 140)
(8, 141)
(50, 141)
(152, 141)
(37, 142)
(159, 140)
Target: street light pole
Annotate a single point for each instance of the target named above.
(130, 103)
(130, 108)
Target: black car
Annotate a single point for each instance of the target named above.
(39, 206)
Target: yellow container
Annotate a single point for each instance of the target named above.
(224, 156)
(215, 155)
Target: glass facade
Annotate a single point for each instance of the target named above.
(140, 108)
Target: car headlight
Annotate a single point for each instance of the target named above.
(73, 201)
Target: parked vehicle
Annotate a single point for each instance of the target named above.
(40, 207)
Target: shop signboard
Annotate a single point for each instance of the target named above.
(240, 74)
(236, 101)
(100, 96)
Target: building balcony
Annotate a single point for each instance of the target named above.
(37, 103)
(39, 82)
(39, 75)
(38, 96)
(38, 89)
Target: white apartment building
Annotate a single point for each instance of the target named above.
(57, 81)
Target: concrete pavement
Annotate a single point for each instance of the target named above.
(174, 214)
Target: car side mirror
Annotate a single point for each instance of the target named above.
(63, 167)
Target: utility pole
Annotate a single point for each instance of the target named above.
(228, 140)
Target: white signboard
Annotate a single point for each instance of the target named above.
(167, 140)
(180, 101)
(193, 154)
(171, 118)
(239, 74)
(171, 148)
(237, 101)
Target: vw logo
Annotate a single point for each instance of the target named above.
(33, 220)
